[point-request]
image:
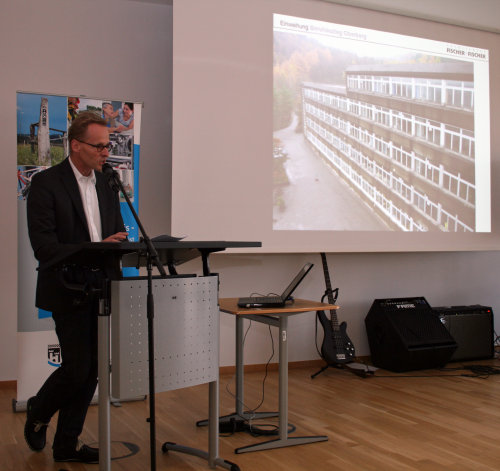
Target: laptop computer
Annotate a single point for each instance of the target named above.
(276, 301)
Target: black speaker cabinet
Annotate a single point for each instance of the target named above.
(472, 328)
(405, 334)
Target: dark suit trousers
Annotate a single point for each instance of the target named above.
(70, 388)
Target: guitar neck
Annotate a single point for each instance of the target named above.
(331, 300)
(327, 279)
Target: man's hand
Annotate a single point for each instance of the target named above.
(118, 237)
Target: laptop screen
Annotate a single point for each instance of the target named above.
(295, 282)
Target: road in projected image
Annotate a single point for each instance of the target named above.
(309, 195)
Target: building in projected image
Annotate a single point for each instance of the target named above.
(402, 136)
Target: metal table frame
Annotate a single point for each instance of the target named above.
(276, 317)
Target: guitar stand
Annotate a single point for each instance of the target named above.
(323, 369)
(363, 373)
(340, 360)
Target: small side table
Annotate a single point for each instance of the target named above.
(277, 317)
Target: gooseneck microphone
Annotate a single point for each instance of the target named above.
(111, 176)
(107, 169)
(116, 184)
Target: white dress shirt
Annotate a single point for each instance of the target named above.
(90, 202)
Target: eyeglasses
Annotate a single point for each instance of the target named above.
(99, 147)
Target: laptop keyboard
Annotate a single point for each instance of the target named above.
(265, 299)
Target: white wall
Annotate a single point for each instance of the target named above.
(103, 49)
(442, 278)
(479, 14)
(121, 49)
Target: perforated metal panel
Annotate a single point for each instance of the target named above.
(186, 334)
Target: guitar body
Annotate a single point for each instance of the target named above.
(337, 347)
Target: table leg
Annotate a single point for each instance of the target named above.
(283, 378)
(239, 413)
(283, 440)
(240, 375)
(239, 367)
(104, 394)
(213, 423)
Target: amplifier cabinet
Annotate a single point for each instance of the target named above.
(472, 328)
(404, 334)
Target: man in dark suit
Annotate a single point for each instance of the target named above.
(69, 204)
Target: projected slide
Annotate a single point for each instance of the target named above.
(376, 131)
(321, 127)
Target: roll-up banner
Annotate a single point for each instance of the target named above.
(42, 141)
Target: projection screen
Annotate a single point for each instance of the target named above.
(312, 126)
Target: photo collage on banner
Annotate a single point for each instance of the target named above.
(42, 141)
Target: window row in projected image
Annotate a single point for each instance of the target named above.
(376, 131)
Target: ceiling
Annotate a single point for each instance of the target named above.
(478, 14)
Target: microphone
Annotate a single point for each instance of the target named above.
(107, 170)
(116, 184)
(112, 177)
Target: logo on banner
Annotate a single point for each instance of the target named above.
(54, 355)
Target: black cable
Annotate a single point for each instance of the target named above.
(257, 430)
(496, 343)
(241, 425)
(245, 425)
(253, 410)
(266, 373)
(477, 371)
(232, 378)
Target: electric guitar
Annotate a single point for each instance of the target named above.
(337, 347)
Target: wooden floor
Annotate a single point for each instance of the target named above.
(424, 420)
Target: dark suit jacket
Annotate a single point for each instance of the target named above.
(57, 224)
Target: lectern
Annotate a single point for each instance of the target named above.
(110, 257)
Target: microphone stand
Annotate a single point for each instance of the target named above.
(151, 257)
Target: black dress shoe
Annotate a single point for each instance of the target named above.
(34, 430)
(83, 454)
